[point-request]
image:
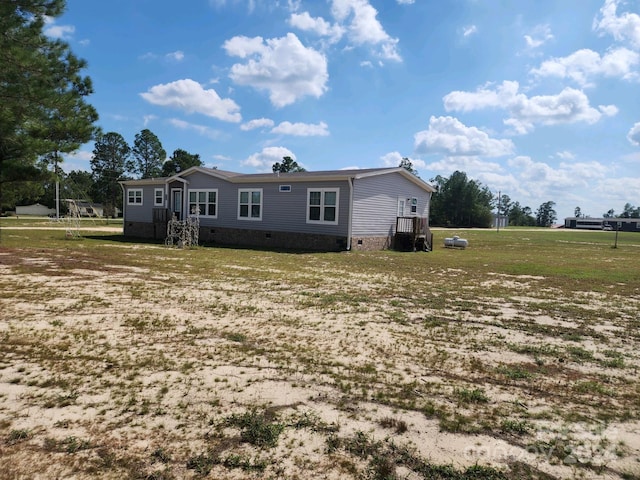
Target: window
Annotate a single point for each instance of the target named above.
(285, 188)
(203, 202)
(158, 195)
(134, 196)
(250, 204)
(414, 206)
(322, 205)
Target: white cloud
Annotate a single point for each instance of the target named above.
(569, 106)
(469, 30)
(264, 160)
(176, 56)
(200, 129)
(624, 27)
(449, 136)
(406, 2)
(189, 96)
(63, 32)
(634, 135)
(584, 64)
(608, 110)
(147, 119)
(256, 123)
(302, 129)
(541, 174)
(283, 66)
(565, 155)
(540, 35)
(363, 27)
(318, 25)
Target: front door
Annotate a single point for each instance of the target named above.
(176, 203)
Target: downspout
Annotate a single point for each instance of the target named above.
(350, 226)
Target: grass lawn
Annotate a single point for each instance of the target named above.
(514, 358)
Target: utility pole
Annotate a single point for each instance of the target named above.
(498, 215)
(55, 172)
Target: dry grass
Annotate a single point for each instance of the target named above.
(516, 358)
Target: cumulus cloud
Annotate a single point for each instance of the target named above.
(263, 161)
(189, 96)
(540, 173)
(257, 123)
(634, 135)
(302, 129)
(282, 66)
(583, 65)
(305, 22)
(449, 136)
(363, 28)
(62, 32)
(569, 106)
(357, 20)
(623, 28)
(545, 179)
(199, 129)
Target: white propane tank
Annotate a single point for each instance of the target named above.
(456, 241)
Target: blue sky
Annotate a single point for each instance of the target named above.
(538, 99)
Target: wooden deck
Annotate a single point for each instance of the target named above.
(413, 234)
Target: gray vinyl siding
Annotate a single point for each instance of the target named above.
(144, 212)
(375, 203)
(281, 211)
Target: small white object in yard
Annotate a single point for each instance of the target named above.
(456, 241)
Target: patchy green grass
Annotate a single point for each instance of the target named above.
(124, 358)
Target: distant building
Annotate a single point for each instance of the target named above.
(83, 208)
(586, 223)
(501, 221)
(35, 209)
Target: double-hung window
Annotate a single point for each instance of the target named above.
(158, 197)
(322, 205)
(250, 204)
(203, 202)
(134, 196)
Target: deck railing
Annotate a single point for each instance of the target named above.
(414, 233)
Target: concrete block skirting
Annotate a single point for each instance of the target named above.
(245, 238)
(371, 243)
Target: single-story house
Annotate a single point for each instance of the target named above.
(35, 209)
(323, 210)
(83, 208)
(588, 223)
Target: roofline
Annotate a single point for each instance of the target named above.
(339, 175)
(402, 171)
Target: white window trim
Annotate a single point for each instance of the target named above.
(131, 197)
(284, 188)
(199, 190)
(155, 197)
(322, 205)
(249, 191)
(413, 205)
